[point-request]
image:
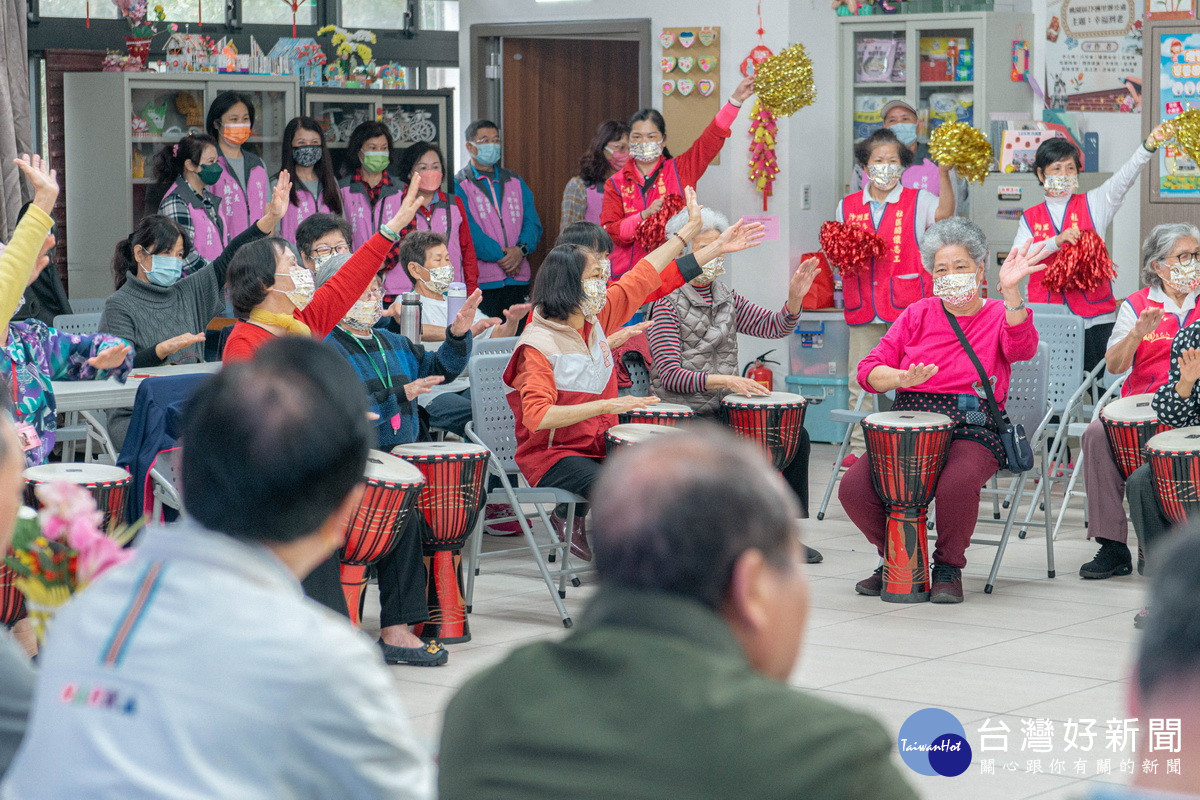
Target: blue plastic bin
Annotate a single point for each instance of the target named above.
(823, 395)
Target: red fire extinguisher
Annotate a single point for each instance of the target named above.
(757, 370)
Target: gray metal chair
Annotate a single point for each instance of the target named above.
(164, 483)
(493, 426)
(78, 324)
(1075, 430)
(639, 376)
(87, 305)
(494, 344)
(852, 417)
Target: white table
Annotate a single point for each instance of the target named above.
(106, 394)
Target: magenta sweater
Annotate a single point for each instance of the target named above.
(923, 335)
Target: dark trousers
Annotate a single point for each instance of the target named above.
(324, 584)
(402, 596)
(796, 473)
(1095, 344)
(451, 411)
(574, 474)
(1149, 521)
(495, 301)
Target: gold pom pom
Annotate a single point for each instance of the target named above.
(784, 82)
(958, 145)
(1187, 133)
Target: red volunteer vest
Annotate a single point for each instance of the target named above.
(894, 280)
(1041, 224)
(1152, 359)
(629, 182)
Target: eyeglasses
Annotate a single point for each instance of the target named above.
(325, 250)
(478, 142)
(1186, 259)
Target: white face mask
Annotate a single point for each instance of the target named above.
(1061, 185)
(594, 291)
(363, 315)
(885, 176)
(710, 271)
(646, 152)
(304, 289)
(1184, 279)
(957, 289)
(440, 279)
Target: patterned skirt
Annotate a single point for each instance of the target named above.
(947, 404)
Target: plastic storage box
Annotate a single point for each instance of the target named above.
(823, 395)
(820, 345)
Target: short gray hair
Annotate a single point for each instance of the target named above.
(1158, 245)
(330, 268)
(949, 232)
(709, 220)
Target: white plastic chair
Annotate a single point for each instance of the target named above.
(78, 324)
(1075, 430)
(87, 305)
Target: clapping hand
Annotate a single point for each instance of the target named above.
(1021, 263)
(917, 374)
(1147, 322)
(465, 321)
(111, 357)
(43, 179)
(1189, 365)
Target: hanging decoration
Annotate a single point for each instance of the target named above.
(958, 145)
(784, 82)
(849, 247)
(651, 232)
(763, 164)
(1187, 133)
(1083, 266)
(294, 5)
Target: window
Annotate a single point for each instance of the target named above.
(432, 15)
(77, 9)
(278, 12)
(175, 10)
(439, 15)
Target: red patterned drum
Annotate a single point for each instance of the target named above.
(633, 433)
(659, 414)
(907, 450)
(392, 488)
(109, 485)
(1174, 458)
(775, 421)
(12, 602)
(453, 496)
(1129, 423)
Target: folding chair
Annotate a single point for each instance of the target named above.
(493, 344)
(164, 484)
(87, 305)
(851, 417)
(493, 426)
(1076, 430)
(639, 376)
(78, 324)
(1028, 405)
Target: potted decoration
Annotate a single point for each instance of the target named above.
(353, 56)
(142, 29)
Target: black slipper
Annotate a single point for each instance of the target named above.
(431, 655)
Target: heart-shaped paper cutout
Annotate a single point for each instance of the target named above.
(666, 39)
(686, 63)
(687, 38)
(668, 63)
(707, 36)
(706, 86)
(705, 63)
(685, 86)
(668, 87)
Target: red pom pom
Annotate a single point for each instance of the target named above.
(1082, 266)
(650, 232)
(850, 247)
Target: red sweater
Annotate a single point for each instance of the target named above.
(329, 305)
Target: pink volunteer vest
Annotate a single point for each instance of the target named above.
(502, 223)
(444, 218)
(208, 237)
(241, 207)
(306, 205)
(595, 201)
(364, 219)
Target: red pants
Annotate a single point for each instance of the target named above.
(968, 467)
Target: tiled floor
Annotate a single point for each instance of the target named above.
(1059, 649)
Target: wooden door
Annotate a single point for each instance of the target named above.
(554, 94)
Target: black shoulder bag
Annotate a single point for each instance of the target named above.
(1017, 451)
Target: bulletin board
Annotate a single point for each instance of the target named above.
(690, 82)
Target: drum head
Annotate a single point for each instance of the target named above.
(772, 399)
(76, 473)
(632, 432)
(386, 467)
(907, 419)
(1179, 440)
(439, 449)
(1135, 408)
(676, 409)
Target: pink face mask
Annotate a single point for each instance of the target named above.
(617, 160)
(430, 180)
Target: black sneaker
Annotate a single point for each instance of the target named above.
(1139, 621)
(947, 584)
(872, 585)
(812, 556)
(1111, 559)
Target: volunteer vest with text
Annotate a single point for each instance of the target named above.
(1086, 304)
(443, 217)
(242, 206)
(894, 280)
(208, 237)
(305, 206)
(364, 218)
(583, 372)
(1152, 359)
(500, 222)
(630, 184)
(595, 202)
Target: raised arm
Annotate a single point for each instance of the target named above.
(19, 258)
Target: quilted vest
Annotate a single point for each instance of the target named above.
(708, 342)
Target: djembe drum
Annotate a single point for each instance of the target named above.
(658, 414)
(392, 488)
(108, 485)
(1129, 423)
(775, 421)
(1174, 458)
(633, 433)
(450, 504)
(12, 602)
(907, 450)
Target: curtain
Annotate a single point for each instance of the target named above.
(16, 128)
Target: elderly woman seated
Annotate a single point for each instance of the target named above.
(1141, 343)
(693, 340)
(922, 359)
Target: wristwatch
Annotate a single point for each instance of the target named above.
(524, 249)
(1018, 308)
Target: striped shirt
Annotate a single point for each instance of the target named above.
(666, 343)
